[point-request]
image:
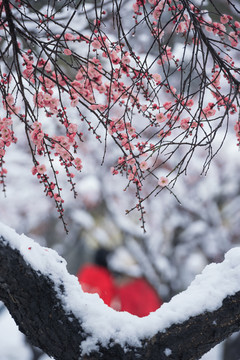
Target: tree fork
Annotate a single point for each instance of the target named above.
(36, 307)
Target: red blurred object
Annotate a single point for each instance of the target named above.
(136, 296)
(97, 279)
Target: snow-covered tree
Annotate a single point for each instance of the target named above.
(149, 89)
(50, 307)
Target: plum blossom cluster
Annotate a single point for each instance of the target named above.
(6, 139)
(61, 147)
(148, 105)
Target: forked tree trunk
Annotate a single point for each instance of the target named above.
(37, 309)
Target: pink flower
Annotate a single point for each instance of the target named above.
(37, 125)
(157, 78)
(2, 153)
(167, 105)
(190, 103)
(182, 27)
(114, 171)
(185, 123)
(130, 160)
(144, 165)
(208, 112)
(34, 170)
(48, 67)
(173, 90)
(135, 7)
(74, 102)
(216, 79)
(233, 37)
(163, 181)
(72, 128)
(224, 19)
(209, 27)
(218, 28)
(96, 44)
(58, 198)
(4, 171)
(158, 10)
(78, 164)
(130, 177)
(114, 57)
(237, 127)
(69, 37)
(9, 99)
(160, 117)
(194, 124)
(41, 169)
(67, 52)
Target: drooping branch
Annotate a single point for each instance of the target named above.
(36, 298)
(85, 68)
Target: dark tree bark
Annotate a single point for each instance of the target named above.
(33, 302)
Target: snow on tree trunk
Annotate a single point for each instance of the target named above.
(50, 307)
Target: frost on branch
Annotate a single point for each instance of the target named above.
(157, 79)
(50, 307)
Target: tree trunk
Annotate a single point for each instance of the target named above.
(36, 307)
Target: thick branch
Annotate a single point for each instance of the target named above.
(31, 299)
(37, 303)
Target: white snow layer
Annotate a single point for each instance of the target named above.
(12, 346)
(205, 293)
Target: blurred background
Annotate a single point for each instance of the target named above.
(181, 239)
(185, 232)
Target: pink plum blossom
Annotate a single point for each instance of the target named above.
(163, 181)
(41, 169)
(67, 52)
(160, 117)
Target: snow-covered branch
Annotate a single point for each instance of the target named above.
(49, 306)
